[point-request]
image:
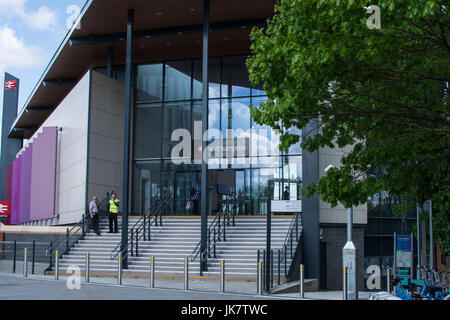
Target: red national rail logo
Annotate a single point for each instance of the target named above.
(10, 85)
(4, 209)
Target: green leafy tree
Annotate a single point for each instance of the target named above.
(383, 91)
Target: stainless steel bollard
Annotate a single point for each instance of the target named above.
(152, 272)
(259, 278)
(388, 280)
(88, 267)
(119, 270)
(25, 262)
(344, 284)
(222, 276)
(302, 281)
(57, 265)
(186, 274)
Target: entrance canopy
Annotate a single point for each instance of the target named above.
(164, 30)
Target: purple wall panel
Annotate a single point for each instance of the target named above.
(43, 175)
(31, 180)
(8, 189)
(35, 179)
(15, 192)
(25, 184)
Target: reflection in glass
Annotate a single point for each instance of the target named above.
(214, 78)
(178, 81)
(149, 82)
(235, 77)
(177, 115)
(146, 185)
(148, 131)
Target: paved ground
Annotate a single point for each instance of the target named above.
(45, 288)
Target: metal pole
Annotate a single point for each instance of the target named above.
(431, 237)
(271, 268)
(344, 285)
(279, 267)
(186, 274)
(259, 278)
(67, 241)
(257, 270)
(205, 107)
(418, 240)
(222, 276)
(25, 262)
(131, 240)
(88, 262)
(119, 270)
(302, 281)
(57, 265)
(137, 243)
(268, 240)
(349, 224)
(152, 272)
(50, 256)
(145, 226)
(395, 256)
(412, 257)
(127, 129)
(14, 256)
(349, 259)
(264, 288)
(388, 284)
(33, 257)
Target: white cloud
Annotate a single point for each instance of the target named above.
(14, 53)
(43, 18)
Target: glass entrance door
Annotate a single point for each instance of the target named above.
(241, 189)
(183, 183)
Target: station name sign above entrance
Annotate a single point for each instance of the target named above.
(10, 85)
(286, 206)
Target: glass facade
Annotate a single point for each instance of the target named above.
(379, 233)
(168, 100)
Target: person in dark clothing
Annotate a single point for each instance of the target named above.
(94, 215)
(286, 193)
(195, 197)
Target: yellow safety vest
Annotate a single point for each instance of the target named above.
(113, 208)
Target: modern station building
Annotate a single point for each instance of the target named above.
(126, 77)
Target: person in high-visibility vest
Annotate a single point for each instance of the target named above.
(114, 204)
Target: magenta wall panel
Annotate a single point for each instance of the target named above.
(25, 184)
(8, 189)
(43, 175)
(15, 192)
(31, 179)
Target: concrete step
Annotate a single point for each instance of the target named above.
(175, 240)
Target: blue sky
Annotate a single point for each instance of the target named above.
(30, 33)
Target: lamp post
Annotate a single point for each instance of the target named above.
(349, 255)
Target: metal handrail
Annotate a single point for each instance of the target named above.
(70, 235)
(288, 241)
(212, 227)
(138, 231)
(218, 232)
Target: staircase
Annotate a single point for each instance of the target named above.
(174, 241)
